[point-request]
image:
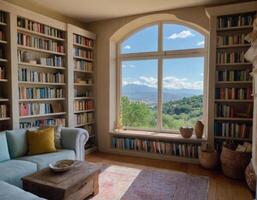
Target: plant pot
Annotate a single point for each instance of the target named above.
(199, 129)
(208, 160)
(186, 132)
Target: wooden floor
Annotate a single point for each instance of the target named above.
(220, 188)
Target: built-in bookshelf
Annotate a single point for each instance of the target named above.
(233, 113)
(5, 107)
(41, 74)
(84, 102)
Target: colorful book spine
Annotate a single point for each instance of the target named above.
(84, 118)
(235, 20)
(43, 123)
(88, 54)
(82, 93)
(40, 93)
(83, 65)
(234, 93)
(78, 39)
(235, 39)
(2, 73)
(233, 75)
(225, 57)
(3, 111)
(80, 105)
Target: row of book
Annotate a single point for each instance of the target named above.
(80, 105)
(56, 61)
(233, 93)
(230, 57)
(2, 73)
(3, 17)
(83, 81)
(82, 93)
(43, 123)
(235, 20)
(88, 54)
(39, 28)
(39, 43)
(234, 75)
(83, 65)
(231, 39)
(78, 39)
(159, 147)
(83, 118)
(234, 130)
(3, 111)
(40, 93)
(223, 110)
(28, 75)
(2, 35)
(39, 108)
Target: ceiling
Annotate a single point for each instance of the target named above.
(94, 10)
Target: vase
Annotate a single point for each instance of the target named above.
(199, 129)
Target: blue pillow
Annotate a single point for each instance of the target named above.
(17, 143)
(4, 153)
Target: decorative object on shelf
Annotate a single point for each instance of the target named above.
(234, 162)
(250, 177)
(26, 56)
(186, 132)
(199, 126)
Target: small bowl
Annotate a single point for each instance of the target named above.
(186, 132)
(63, 165)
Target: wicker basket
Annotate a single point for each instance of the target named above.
(186, 132)
(234, 163)
(208, 160)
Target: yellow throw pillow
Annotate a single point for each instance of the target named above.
(41, 141)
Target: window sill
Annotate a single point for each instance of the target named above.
(156, 135)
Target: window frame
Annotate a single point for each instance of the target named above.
(160, 55)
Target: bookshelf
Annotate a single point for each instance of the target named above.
(232, 86)
(5, 106)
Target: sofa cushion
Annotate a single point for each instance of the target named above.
(43, 160)
(17, 143)
(4, 152)
(12, 171)
(11, 192)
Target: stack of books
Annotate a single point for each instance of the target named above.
(80, 105)
(84, 118)
(235, 21)
(83, 65)
(231, 39)
(230, 57)
(43, 123)
(234, 75)
(78, 39)
(3, 111)
(40, 93)
(234, 93)
(88, 54)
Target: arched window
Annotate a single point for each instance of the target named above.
(161, 79)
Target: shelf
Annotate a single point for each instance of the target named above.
(234, 28)
(234, 82)
(2, 24)
(40, 66)
(81, 98)
(3, 80)
(234, 64)
(82, 58)
(84, 111)
(82, 71)
(39, 83)
(40, 50)
(234, 46)
(3, 42)
(156, 135)
(42, 115)
(234, 100)
(3, 60)
(232, 138)
(79, 125)
(232, 119)
(3, 100)
(23, 30)
(83, 84)
(5, 118)
(48, 99)
(83, 46)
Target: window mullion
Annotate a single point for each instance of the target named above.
(159, 103)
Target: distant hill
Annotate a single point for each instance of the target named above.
(149, 94)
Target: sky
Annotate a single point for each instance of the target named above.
(178, 73)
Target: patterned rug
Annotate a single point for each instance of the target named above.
(124, 183)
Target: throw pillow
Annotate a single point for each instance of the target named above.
(17, 143)
(4, 152)
(41, 141)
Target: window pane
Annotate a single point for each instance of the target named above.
(139, 93)
(145, 40)
(182, 92)
(178, 37)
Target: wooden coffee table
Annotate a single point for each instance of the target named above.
(76, 184)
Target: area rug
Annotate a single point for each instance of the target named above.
(124, 183)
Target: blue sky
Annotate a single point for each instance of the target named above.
(178, 73)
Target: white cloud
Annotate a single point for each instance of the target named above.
(200, 43)
(127, 47)
(169, 82)
(124, 66)
(181, 35)
(201, 74)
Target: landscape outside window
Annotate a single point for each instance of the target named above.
(181, 78)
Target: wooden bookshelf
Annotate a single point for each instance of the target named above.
(232, 117)
(5, 72)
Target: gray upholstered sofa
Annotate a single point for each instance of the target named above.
(15, 164)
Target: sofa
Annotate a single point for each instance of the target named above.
(15, 163)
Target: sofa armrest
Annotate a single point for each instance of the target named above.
(75, 139)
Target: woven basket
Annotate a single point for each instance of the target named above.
(208, 160)
(234, 163)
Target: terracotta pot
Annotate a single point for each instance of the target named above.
(208, 160)
(199, 129)
(250, 177)
(186, 132)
